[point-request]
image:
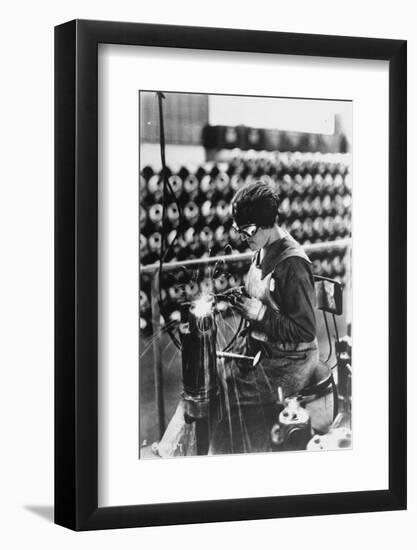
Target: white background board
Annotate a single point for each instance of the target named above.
(122, 71)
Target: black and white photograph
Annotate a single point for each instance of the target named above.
(208, 275)
(245, 302)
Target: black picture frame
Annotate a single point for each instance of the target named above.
(76, 271)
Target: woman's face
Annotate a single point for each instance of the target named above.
(259, 239)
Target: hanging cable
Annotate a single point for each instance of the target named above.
(166, 189)
(328, 336)
(336, 338)
(232, 341)
(335, 398)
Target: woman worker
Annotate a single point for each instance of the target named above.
(278, 303)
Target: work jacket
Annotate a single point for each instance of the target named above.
(285, 333)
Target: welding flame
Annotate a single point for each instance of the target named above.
(203, 305)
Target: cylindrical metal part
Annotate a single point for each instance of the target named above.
(293, 430)
(198, 338)
(230, 355)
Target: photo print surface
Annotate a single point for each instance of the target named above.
(245, 274)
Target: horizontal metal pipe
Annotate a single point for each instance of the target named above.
(230, 355)
(246, 256)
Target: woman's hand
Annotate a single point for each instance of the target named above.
(250, 308)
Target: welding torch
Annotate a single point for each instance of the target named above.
(232, 294)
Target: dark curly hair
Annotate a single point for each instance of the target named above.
(255, 202)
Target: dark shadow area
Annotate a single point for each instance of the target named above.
(45, 512)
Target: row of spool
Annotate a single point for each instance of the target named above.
(315, 193)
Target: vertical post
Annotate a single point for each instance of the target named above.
(348, 301)
(157, 354)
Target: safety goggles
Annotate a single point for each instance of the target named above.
(246, 231)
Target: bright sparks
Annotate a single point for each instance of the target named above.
(202, 306)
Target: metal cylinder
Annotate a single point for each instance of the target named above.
(293, 430)
(198, 337)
